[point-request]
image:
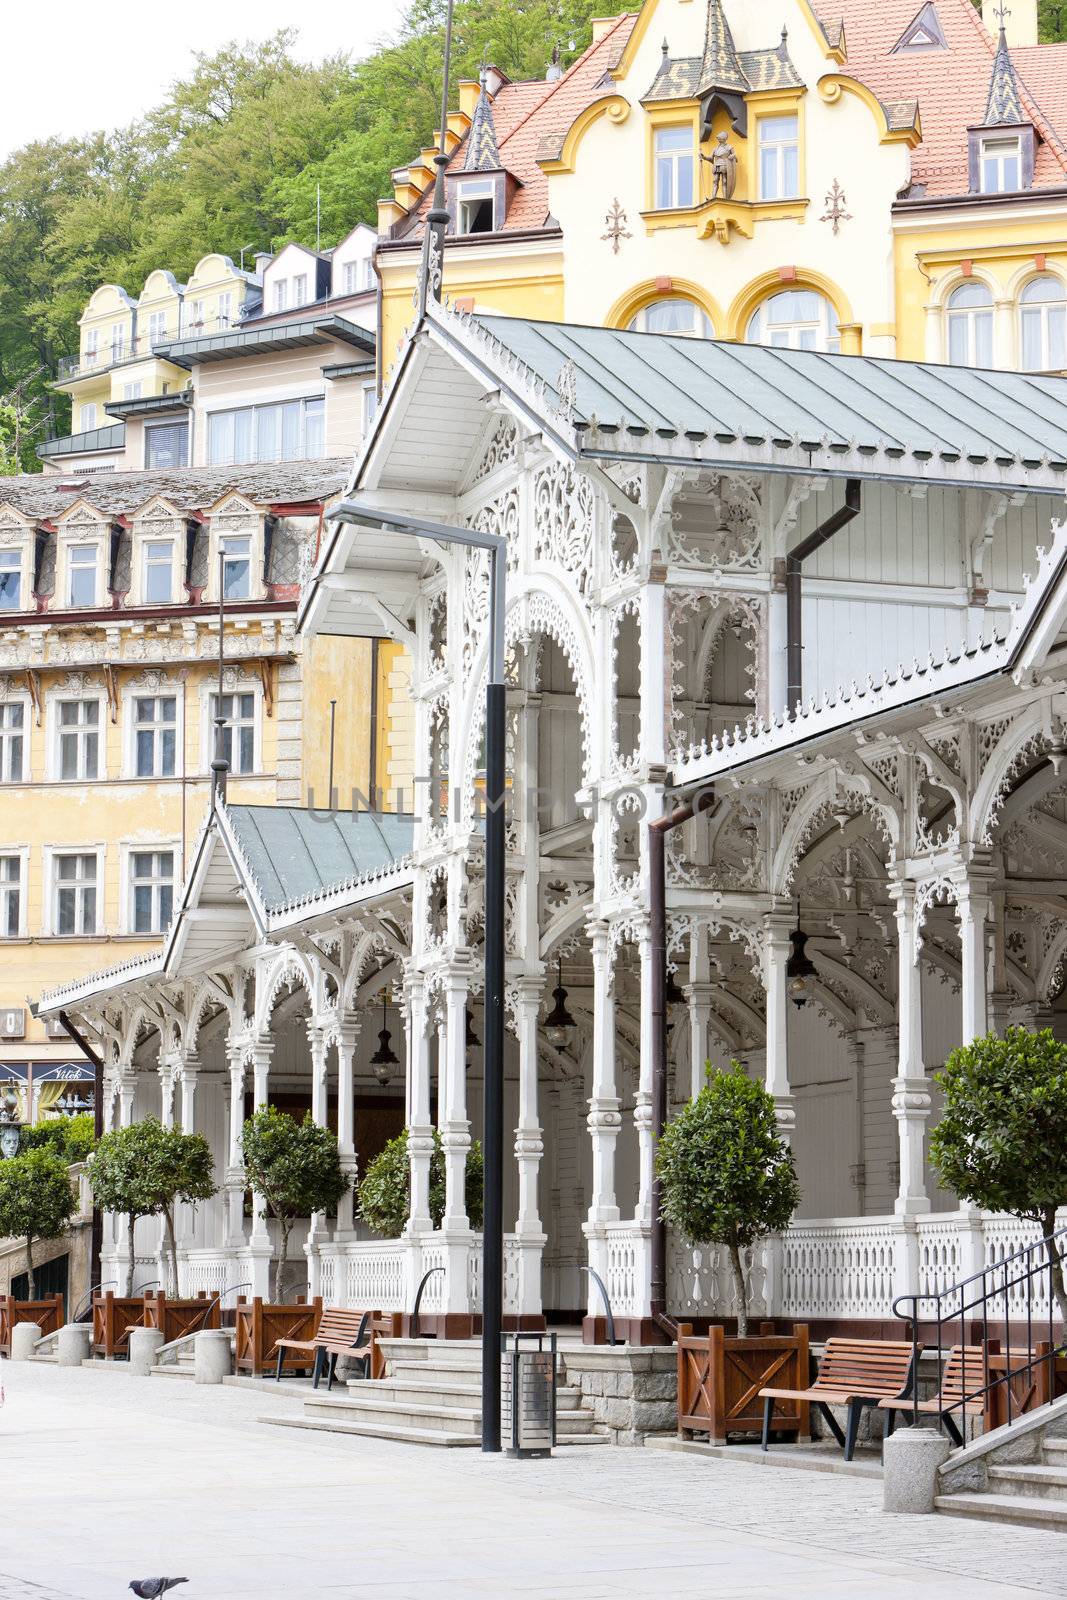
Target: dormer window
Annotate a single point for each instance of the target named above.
(300, 289)
(10, 580)
(475, 206)
(81, 575)
(236, 568)
(1001, 164)
(158, 571)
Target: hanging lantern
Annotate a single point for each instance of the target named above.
(384, 1058)
(559, 1022)
(799, 970)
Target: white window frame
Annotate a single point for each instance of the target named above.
(157, 328)
(6, 734)
(52, 852)
(1039, 312)
(224, 309)
(118, 341)
(264, 404)
(194, 317)
(474, 192)
(350, 277)
(279, 294)
(144, 536)
(999, 163)
(128, 848)
(81, 533)
(154, 427)
(300, 288)
(53, 700)
(75, 548)
(133, 391)
(669, 163)
(20, 853)
(207, 725)
(87, 417)
(130, 696)
(778, 146)
(252, 528)
(368, 407)
(825, 327)
(21, 552)
(92, 347)
(701, 329)
(968, 316)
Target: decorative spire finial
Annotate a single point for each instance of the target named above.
(431, 271)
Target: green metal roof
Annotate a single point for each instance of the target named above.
(150, 405)
(706, 402)
(295, 854)
(76, 444)
(291, 335)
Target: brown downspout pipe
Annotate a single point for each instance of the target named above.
(657, 875)
(96, 1244)
(794, 637)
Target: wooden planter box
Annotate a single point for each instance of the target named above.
(176, 1318)
(113, 1317)
(48, 1312)
(259, 1327)
(720, 1377)
(1029, 1389)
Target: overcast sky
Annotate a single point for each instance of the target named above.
(73, 67)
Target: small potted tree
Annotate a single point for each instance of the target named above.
(144, 1170)
(36, 1201)
(727, 1178)
(385, 1192)
(296, 1168)
(1001, 1142)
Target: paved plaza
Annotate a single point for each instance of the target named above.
(111, 1477)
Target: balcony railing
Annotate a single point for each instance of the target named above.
(145, 344)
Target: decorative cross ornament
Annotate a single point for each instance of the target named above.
(835, 212)
(616, 220)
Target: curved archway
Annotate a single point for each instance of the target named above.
(770, 283)
(652, 291)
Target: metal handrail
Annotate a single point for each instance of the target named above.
(86, 1302)
(976, 1296)
(219, 1298)
(427, 1275)
(608, 1313)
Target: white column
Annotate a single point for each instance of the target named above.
(127, 1090)
(420, 1128)
(911, 1094)
(643, 1097)
(347, 1046)
(185, 1221)
(529, 1148)
(319, 1115)
(653, 672)
(974, 908)
(166, 1091)
(235, 1172)
(777, 930)
(604, 1120)
(261, 1054)
(452, 1096)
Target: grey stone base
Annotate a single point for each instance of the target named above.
(631, 1391)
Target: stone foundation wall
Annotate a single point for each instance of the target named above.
(632, 1392)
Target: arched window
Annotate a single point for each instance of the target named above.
(1043, 325)
(796, 319)
(970, 326)
(680, 317)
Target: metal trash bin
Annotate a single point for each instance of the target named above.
(528, 1393)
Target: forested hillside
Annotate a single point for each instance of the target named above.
(232, 160)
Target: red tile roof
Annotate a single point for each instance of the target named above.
(952, 85)
(527, 113)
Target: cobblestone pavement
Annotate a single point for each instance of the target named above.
(111, 1477)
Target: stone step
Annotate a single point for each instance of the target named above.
(446, 1390)
(366, 1430)
(174, 1369)
(1054, 1449)
(1036, 1479)
(415, 1411)
(1010, 1508)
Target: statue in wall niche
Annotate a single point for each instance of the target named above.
(723, 164)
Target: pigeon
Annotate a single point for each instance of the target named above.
(152, 1588)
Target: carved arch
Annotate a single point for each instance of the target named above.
(1024, 736)
(287, 969)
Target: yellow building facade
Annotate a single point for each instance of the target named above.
(879, 180)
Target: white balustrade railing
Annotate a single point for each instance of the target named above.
(328, 1277)
(1002, 1237)
(374, 1274)
(208, 1272)
(623, 1261)
(840, 1268)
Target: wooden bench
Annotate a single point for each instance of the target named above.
(964, 1375)
(340, 1333)
(854, 1373)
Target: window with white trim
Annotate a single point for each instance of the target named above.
(293, 430)
(779, 158)
(158, 568)
(795, 319)
(92, 346)
(132, 391)
(1001, 163)
(237, 567)
(166, 444)
(10, 580)
(82, 560)
(78, 739)
(151, 890)
(238, 730)
(157, 327)
(358, 276)
(74, 897)
(224, 314)
(370, 405)
(281, 294)
(1043, 325)
(300, 289)
(155, 735)
(680, 317)
(476, 206)
(194, 316)
(118, 341)
(970, 326)
(10, 897)
(675, 167)
(12, 741)
(87, 417)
